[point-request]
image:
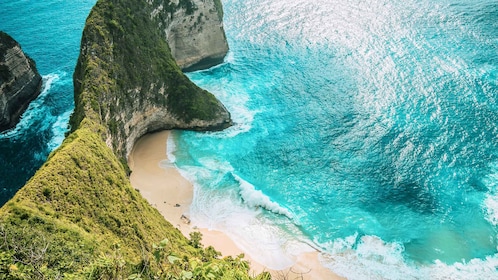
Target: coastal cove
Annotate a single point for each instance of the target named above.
(332, 139)
(158, 181)
(365, 130)
(85, 220)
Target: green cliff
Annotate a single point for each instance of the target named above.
(127, 80)
(79, 217)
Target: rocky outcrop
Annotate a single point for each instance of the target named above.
(194, 32)
(20, 82)
(127, 79)
(78, 217)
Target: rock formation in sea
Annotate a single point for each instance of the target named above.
(20, 82)
(78, 217)
(127, 79)
(195, 33)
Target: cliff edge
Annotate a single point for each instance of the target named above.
(79, 217)
(20, 82)
(194, 33)
(127, 79)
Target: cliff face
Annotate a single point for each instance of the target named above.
(127, 79)
(20, 82)
(79, 217)
(194, 33)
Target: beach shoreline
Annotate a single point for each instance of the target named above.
(161, 184)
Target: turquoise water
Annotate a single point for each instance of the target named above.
(365, 129)
(50, 32)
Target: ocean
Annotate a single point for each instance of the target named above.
(366, 130)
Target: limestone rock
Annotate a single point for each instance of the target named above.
(20, 82)
(195, 33)
(127, 79)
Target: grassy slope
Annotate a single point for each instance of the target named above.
(79, 217)
(81, 202)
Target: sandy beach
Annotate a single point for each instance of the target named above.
(162, 185)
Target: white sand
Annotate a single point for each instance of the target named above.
(172, 194)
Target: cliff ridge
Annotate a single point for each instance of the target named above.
(194, 33)
(127, 79)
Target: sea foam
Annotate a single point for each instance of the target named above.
(256, 198)
(490, 204)
(59, 129)
(352, 112)
(35, 110)
(370, 257)
(235, 100)
(268, 240)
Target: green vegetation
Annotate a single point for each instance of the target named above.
(219, 8)
(79, 217)
(125, 65)
(188, 5)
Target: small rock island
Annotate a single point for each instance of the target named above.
(20, 82)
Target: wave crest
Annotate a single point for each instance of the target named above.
(256, 198)
(34, 110)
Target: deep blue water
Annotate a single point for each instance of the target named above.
(367, 129)
(50, 33)
(364, 129)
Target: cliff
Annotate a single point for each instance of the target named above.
(79, 217)
(127, 79)
(20, 82)
(194, 33)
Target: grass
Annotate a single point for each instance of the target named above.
(125, 61)
(78, 217)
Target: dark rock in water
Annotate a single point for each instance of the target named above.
(20, 82)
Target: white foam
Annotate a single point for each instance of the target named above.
(241, 115)
(491, 201)
(230, 57)
(59, 129)
(273, 240)
(272, 243)
(491, 206)
(216, 165)
(372, 258)
(33, 109)
(263, 240)
(171, 148)
(234, 98)
(256, 198)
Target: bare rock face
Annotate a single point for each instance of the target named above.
(194, 32)
(127, 80)
(20, 82)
